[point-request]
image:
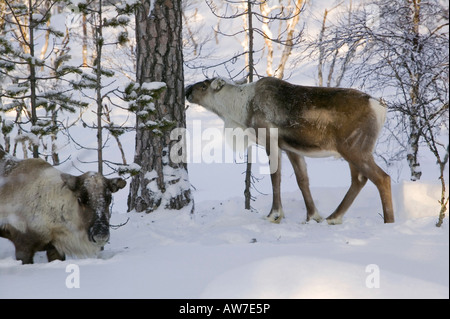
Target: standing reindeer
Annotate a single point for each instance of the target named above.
(310, 121)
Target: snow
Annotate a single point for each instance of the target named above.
(153, 86)
(15, 89)
(28, 136)
(152, 6)
(224, 251)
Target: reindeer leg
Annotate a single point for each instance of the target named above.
(24, 255)
(53, 254)
(367, 167)
(383, 183)
(299, 165)
(358, 182)
(25, 249)
(24, 244)
(276, 213)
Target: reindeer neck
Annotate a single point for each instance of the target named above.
(232, 102)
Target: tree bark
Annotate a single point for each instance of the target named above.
(248, 170)
(279, 73)
(32, 67)
(98, 88)
(160, 182)
(414, 135)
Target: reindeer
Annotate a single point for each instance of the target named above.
(310, 121)
(43, 209)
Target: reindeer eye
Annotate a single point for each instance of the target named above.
(83, 199)
(204, 87)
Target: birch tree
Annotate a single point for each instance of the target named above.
(275, 22)
(400, 51)
(289, 41)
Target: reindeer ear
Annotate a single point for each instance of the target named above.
(70, 181)
(217, 84)
(241, 81)
(114, 184)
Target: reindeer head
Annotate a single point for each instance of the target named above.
(93, 192)
(203, 92)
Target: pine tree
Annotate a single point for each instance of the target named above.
(160, 181)
(103, 16)
(36, 87)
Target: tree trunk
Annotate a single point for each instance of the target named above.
(248, 170)
(443, 201)
(265, 11)
(160, 182)
(98, 88)
(279, 73)
(414, 135)
(85, 41)
(413, 150)
(32, 67)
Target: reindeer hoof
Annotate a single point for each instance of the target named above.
(315, 217)
(334, 221)
(275, 216)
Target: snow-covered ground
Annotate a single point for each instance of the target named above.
(224, 251)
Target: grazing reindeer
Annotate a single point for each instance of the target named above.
(43, 209)
(311, 121)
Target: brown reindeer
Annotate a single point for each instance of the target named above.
(310, 121)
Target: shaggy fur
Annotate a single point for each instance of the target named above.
(44, 209)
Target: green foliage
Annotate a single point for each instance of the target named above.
(131, 170)
(115, 130)
(7, 127)
(122, 38)
(141, 99)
